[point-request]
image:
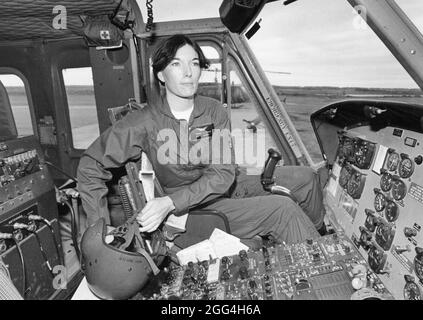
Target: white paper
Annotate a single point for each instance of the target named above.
(197, 252)
(219, 245)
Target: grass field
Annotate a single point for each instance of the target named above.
(301, 102)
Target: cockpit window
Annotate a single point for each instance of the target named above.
(15, 115)
(318, 52)
(82, 107)
(414, 10)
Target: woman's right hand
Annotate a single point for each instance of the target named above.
(154, 212)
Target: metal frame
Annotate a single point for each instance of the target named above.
(397, 32)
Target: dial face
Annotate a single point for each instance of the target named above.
(345, 176)
(364, 152)
(361, 155)
(393, 161)
(418, 267)
(399, 189)
(376, 259)
(384, 236)
(412, 291)
(347, 148)
(354, 185)
(380, 202)
(386, 182)
(370, 222)
(406, 168)
(391, 211)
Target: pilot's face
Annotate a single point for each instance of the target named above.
(181, 75)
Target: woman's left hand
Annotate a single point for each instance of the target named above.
(154, 212)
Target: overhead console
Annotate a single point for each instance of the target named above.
(375, 190)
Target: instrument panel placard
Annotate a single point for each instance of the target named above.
(416, 192)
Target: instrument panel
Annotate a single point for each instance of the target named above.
(329, 268)
(375, 194)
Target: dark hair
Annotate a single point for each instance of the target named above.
(166, 51)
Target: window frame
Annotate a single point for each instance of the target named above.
(21, 76)
(74, 150)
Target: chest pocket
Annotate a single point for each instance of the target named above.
(197, 133)
(199, 145)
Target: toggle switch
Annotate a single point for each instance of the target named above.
(399, 249)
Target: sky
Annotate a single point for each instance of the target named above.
(319, 43)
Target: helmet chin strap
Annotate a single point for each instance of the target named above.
(127, 232)
(140, 250)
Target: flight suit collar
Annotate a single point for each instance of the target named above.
(199, 108)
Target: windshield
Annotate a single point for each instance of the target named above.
(414, 10)
(317, 52)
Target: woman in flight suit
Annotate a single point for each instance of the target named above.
(164, 131)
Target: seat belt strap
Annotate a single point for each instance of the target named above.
(148, 180)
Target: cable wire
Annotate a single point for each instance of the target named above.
(73, 228)
(43, 252)
(23, 266)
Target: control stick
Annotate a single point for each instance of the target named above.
(266, 178)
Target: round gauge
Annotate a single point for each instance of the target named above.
(354, 185)
(418, 266)
(412, 291)
(361, 155)
(386, 182)
(376, 259)
(380, 202)
(391, 211)
(406, 168)
(393, 161)
(347, 148)
(399, 189)
(345, 176)
(384, 236)
(370, 222)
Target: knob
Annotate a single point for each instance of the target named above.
(309, 241)
(408, 278)
(357, 283)
(252, 284)
(243, 254)
(418, 160)
(316, 256)
(410, 232)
